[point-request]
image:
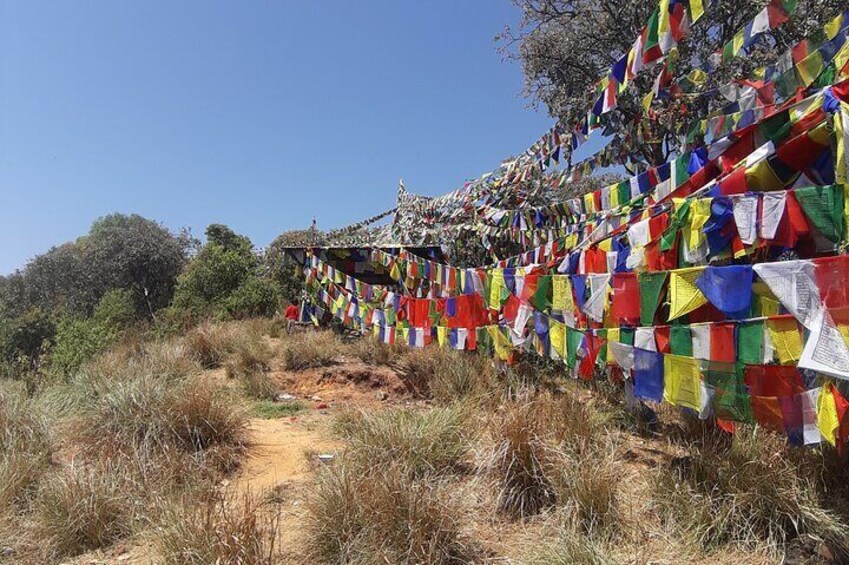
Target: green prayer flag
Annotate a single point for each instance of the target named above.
(750, 338)
(651, 285)
(602, 351)
(776, 128)
(624, 189)
(667, 238)
(573, 342)
(730, 395)
(626, 336)
(681, 341)
(542, 297)
(823, 205)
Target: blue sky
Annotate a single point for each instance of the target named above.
(259, 115)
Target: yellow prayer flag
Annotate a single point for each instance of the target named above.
(833, 27)
(557, 334)
(589, 203)
(495, 286)
(612, 336)
(697, 217)
(737, 42)
(684, 295)
(827, 420)
(647, 100)
(442, 335)
(682, 381)
(499, 342)
(841, 130)
(786, 339)
(561, 293)
(697, 10)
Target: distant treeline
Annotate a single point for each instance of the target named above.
(76, 299)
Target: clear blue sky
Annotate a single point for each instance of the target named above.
(259, 115)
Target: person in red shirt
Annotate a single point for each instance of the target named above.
(292, 314)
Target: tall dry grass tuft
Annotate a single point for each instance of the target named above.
(148, 413)
(210, 343)
(374, 352)
(520, 462)
(449, 376)
(310, 350)
(381, 514)
(25, 449)
(208, 527)
(550, 451)
(750, 492)
(428, 442)
(82, 508)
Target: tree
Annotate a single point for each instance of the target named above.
(119, 252)
(566, 46)
(131, 252)
(225, 279)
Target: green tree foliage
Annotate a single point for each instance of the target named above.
(282, 265)
(119, 252)
(225, 279)
(24, 339)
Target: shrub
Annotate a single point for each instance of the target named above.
(78, 341)
(211, 529)
(749, 492)
(251, 354)
(254, 297)
(116, 309)
(309, 350)
(429, 442)
(380, 514)
(81, 509)
(258, 386)
(24, 446)
(26, 337)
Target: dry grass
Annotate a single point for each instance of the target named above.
(565, 546)
(208, 527)
(374, 352)
(747, 493)
(82, 508)
(449, 376)
(24, 446)
(152, 414)
(381, 514)
(210, 343)
(428, 442)
(550, 451)
(310, 350)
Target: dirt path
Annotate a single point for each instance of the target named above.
(278, 469)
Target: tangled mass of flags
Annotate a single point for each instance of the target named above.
(717, 282)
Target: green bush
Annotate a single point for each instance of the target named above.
(116, 309)
(254, 297)
(77, 342)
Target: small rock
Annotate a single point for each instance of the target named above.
(322, 406)
(7, 551)
(315, 398)
(285, 397)
(326, 457)
(381, 395)
(123, 557)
